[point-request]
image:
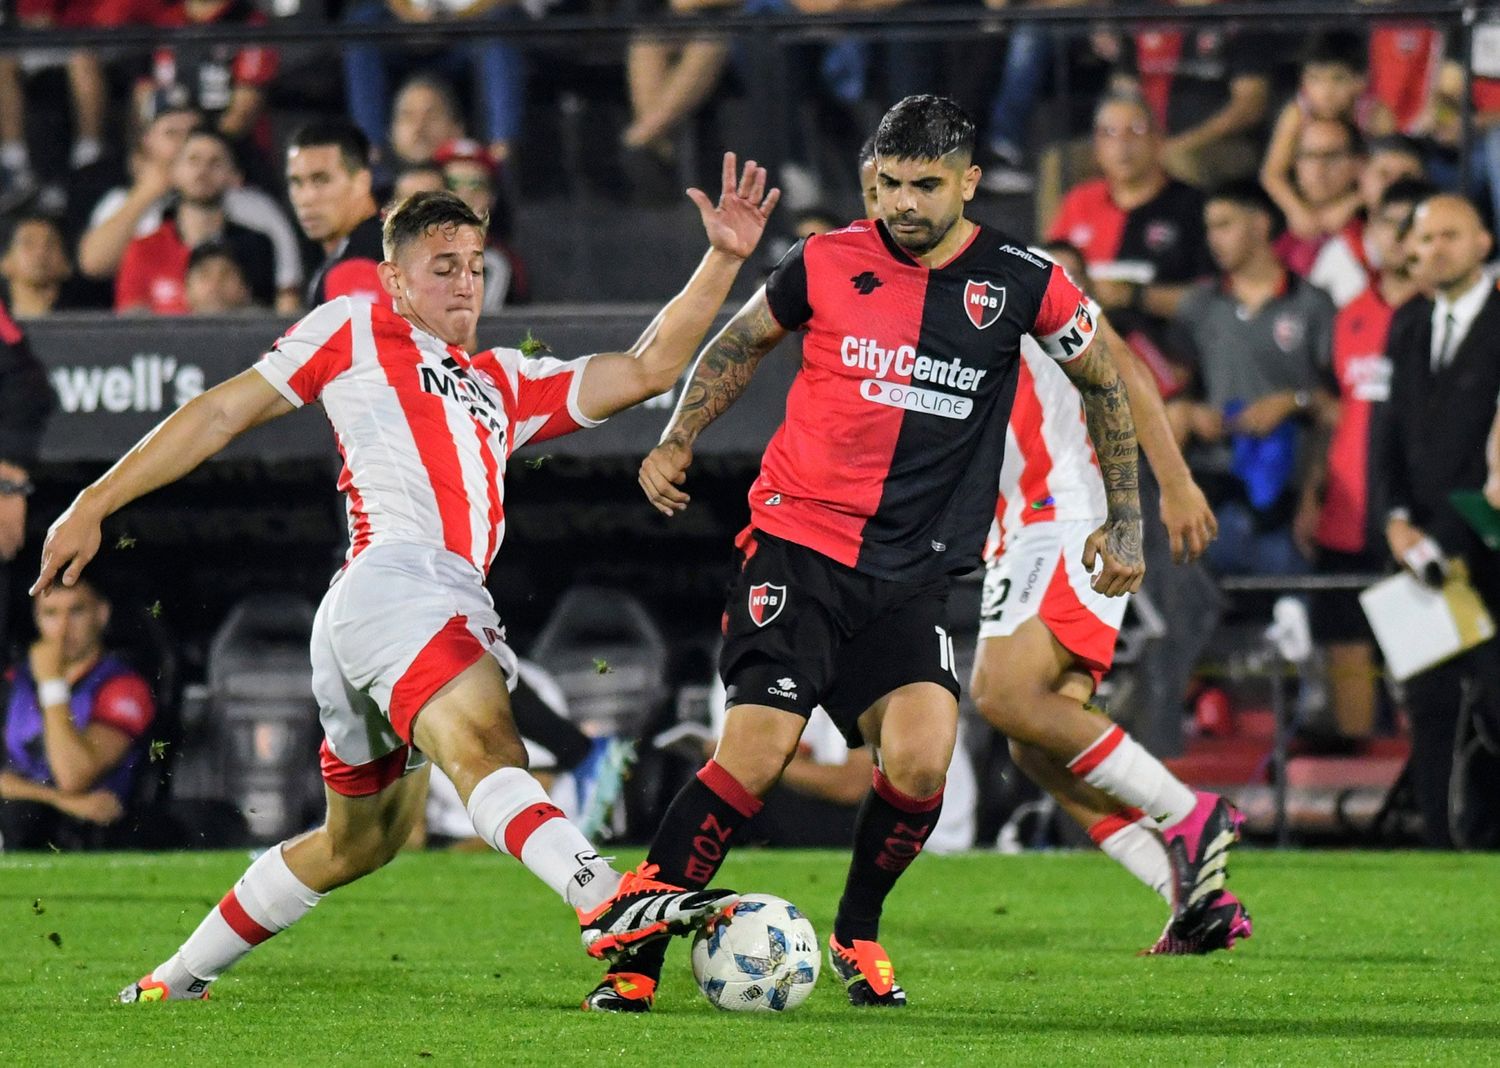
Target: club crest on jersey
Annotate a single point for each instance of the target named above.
(983, 302)
(766, 602)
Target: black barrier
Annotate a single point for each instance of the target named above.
(117, 378)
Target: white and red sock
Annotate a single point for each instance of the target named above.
(1129, 838)
(267, 900)
(511, 812)
(1120, 766)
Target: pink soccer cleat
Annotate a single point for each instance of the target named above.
(1198, 846)
(1225, 922)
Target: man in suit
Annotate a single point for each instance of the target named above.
(1445, 352)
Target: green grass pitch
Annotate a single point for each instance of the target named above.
(1358, 958)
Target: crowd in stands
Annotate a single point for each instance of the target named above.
(1245, 203)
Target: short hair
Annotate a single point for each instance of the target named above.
(867, 151)
(1351, 132)
(1407, 191)
(213, 250)
(1247, 193)
(925, 126)
(1339, 48)
(1063, 245)
(420, 167)
(349, 139)
(422, 213)
(1399, 144)
(1130, 98)
(218, 138)
(14, 224)
(443, 90)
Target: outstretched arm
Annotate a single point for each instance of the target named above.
(615, 381)
(179, 443)
(1185, 512)
(720, 376)
(1112, 430)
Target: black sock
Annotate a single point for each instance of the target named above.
(888, 834)
(694, 838)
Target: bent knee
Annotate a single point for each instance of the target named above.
(354, 856)
(1011, 707)
(918, 779)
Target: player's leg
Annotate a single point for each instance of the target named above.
(466, 728)
(1052, 622)
(914, 729)
(359, 835)
(699, 828)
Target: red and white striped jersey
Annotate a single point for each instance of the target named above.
(424, 428)
(1050, 470)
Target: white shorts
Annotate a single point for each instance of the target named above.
(398, 624)
(1041, 573)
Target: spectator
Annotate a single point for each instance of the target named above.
(1445, 378)
(1333, 89)
(153, 271)
(1208, 89)
(1345, 265)
(1140, 231)
(215, 281)
(329, 182)
(26, 400)
(417, 178)
(126, 213)
(86, 86)
(1030, 49)
(1335, 523)
(74, 720)
(227, 83)
(426, 116)
(1258, 337)
(1329, 156)
(869, 188)
(469, 173)
(669, 80)
(499, 67)
(34, 271)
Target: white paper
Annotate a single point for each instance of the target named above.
(1413, 625)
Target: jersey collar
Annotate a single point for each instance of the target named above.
(901, 255)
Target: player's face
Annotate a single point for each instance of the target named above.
(1234, 233)
(324, 194)
(75, 617)
(1447, 243)
(870, 188)
(438, 281)
(921, 199)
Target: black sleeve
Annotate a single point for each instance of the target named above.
(26, 398)
(786, 289)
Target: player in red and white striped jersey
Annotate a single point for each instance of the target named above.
(409, 658)
(1046, 636)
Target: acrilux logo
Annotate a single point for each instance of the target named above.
(766, 602)
(983, 303)
(866, 282)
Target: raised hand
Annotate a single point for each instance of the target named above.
(735, 223)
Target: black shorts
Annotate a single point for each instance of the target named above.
(1336, 614)
(802, 630)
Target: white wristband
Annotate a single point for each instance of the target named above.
(51, 692)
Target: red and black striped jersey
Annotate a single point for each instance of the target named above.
(889, 455)
(351, 270)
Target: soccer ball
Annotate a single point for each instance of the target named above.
(764, 958)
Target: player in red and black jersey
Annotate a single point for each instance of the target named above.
(329, 183)
(878, 488)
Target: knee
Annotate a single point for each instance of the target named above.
(918, 775)
(756, 766)
(353, 855)
(1008, 706)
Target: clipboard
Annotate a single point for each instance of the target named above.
(1476, 512)
(1418, 627)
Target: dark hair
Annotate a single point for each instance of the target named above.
(867, 151)
(353, 145)
(438, 86)
(1341, 48)
(218, 138)
(1247, 193)
(423, 167)
(1401, 144)
(925, 127)
(15, 222)
(421, 213)
(1130, 98)
(213, 250)
(1407, 191)
(1066, 247)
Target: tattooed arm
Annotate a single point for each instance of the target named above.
(719, 377)
(1112, 429)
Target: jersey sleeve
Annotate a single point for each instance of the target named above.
(1065, 322)
(124, 703)
(540, 394)
(786, 289)
(311, 354)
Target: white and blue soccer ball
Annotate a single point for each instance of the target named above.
(764, 958)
